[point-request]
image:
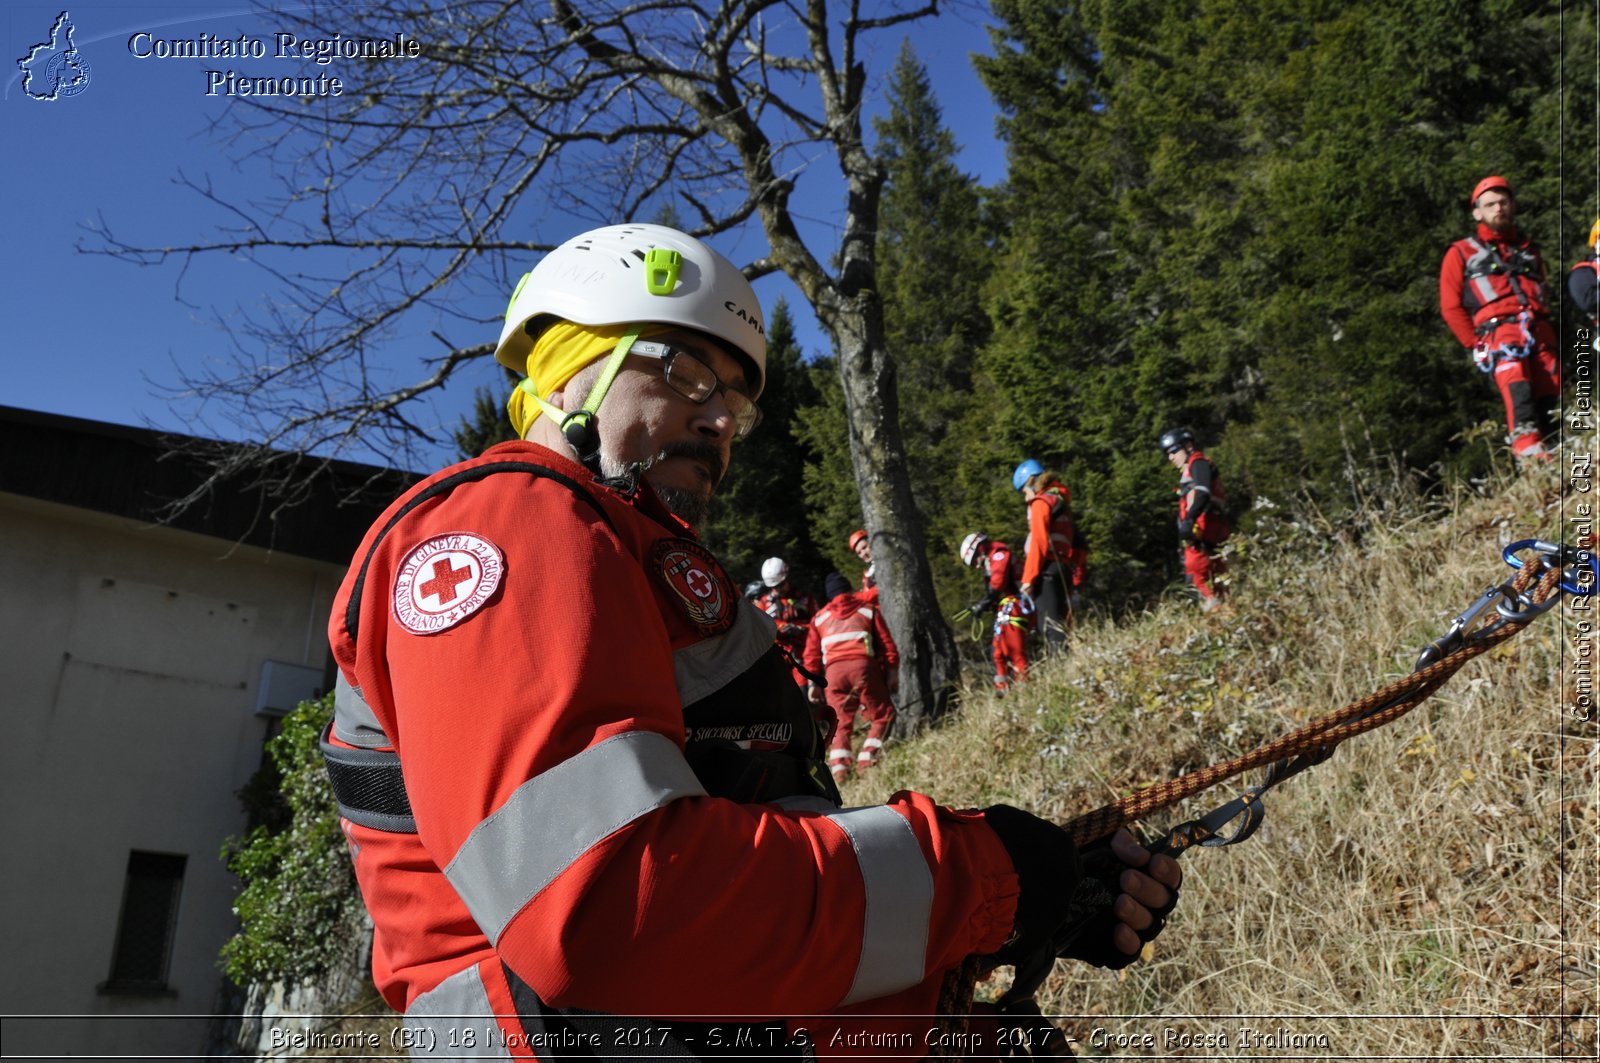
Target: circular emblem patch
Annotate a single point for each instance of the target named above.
(444, 580)
(695, 577)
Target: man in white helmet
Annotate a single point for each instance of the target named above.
(584, 800)
(791, 611)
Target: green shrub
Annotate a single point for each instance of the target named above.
(299, 910)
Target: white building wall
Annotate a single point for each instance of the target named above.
(130, 658)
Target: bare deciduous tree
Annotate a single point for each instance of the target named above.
(398, 201)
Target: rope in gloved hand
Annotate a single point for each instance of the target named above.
(1499, 613)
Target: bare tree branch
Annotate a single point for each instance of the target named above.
(419, 194)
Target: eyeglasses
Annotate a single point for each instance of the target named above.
(696, 381)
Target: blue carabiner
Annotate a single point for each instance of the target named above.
(1560, 552)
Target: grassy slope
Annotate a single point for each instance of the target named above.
(1434, 883)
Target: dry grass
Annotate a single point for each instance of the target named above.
(1429, 892)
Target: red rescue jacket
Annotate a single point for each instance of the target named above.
(1053, 537)
(564, 675)
(1211, 526)
(850, 626)
(1489, 279)
(1000, 570)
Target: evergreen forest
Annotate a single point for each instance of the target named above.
(1219, 215)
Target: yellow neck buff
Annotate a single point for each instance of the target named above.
(561, 350)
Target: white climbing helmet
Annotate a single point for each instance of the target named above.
(971, 547)
(774, 571)
(638, 273)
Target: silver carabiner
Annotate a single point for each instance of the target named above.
(1455, 638)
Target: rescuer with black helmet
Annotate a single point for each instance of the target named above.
(1202, 515)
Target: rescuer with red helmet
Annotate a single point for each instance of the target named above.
(1492, 294)
(587, 807)
(861, 546)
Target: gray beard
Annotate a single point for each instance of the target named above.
(687, 506)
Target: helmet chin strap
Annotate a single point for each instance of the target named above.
(581, 427)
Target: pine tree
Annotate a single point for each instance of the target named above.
(755, 513)
(488, 424)
(933, 260)
(1231, 216)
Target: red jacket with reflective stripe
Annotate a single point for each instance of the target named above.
(850, 626)
(701, 906)
(1473, 292)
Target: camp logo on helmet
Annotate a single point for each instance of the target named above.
(753, 320)
(444, 580)
(692, 574)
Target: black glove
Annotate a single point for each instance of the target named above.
(1186, 531)
(1046, 863)
(1086, 933)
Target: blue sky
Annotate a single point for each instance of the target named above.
(102, 339)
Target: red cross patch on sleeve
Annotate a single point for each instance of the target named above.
(444, 580)
(699, 582)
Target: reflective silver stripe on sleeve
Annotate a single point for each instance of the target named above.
(453, 1020)
(557, 816)
(704, 667)
(354, 722)
(899, 901)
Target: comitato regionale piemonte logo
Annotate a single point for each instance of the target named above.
(55, 69)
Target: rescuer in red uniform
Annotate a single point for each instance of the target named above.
(861, 546)
(1202, 515)
(1492, 295)
(850, 644)
(791, 611)
(585, 803)
(1055, 554)
(1013, 611)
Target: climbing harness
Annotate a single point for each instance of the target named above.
(1501, 611)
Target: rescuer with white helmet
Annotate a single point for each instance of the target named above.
(1013, 610)
(789, 609)
(642, 297)
(581, 791)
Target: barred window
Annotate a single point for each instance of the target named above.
(149, 916)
